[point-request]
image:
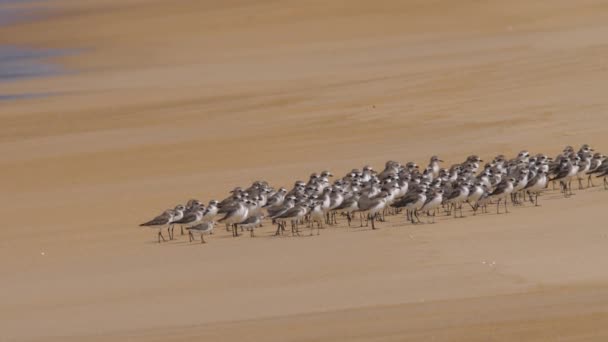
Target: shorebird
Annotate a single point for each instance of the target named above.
(536, 185)
(433, 201)
(191, 218)
(373, 205)
(191, 206)
(568, 169)
(457, 197)
(349, 206)
(412, 202)
(277, 198)
(295, 214)
(604, 174)
(161, 221)
(211, 211)
(502, 192)
(252, 222)
(235, 215)
(201, 228)
(597, 160)
(178, 212)
(434, 166)
(519, 185)
(336, 198)
(476, 191)
(316, 215)
(584, 167)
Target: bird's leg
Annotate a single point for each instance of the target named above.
(605, 184)
(252, 235)
(348, 218)
(469, 203)
(536, 200)
(372, 218)
(278, 232)
(498, 206)
(506, 210)
(580, 183)
(181, 227)
(160, 235)
(190, 236)
(202, 238)
(590, 182)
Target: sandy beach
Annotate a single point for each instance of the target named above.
(162, 101)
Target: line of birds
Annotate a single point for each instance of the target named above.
(373, 195)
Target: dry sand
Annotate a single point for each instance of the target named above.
(170, 100)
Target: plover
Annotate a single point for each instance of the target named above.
(295, 215)
(349, 206)
(161, 221)
(211, 211)
(178, 212)
(433, 201)
(476, 191)
(373, 205)
(235, 215)
(596, 161)
(457, 197)
(536, 185)
(317, 215)
(252, 222)
(502, 192)
(568, 169)
(412, 202)
(191, 218)
(434, 166)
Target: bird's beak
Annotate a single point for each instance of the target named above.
(441, 161)
(481, 160)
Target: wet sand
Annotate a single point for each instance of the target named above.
(178, 99)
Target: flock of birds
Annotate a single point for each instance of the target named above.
(372, 195)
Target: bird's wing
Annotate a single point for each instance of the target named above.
(158, 220)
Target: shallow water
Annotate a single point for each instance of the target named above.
(19, 62)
